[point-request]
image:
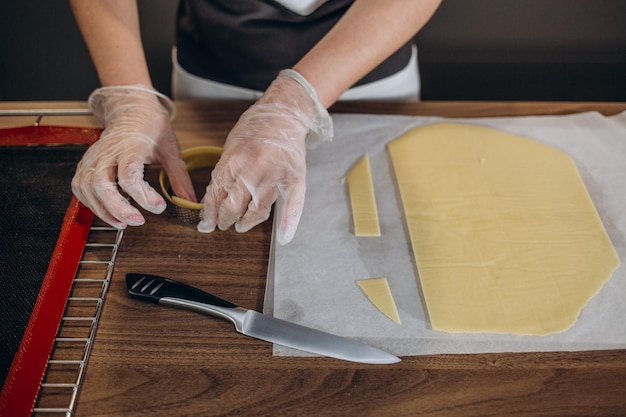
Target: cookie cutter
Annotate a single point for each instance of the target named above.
(195, 158)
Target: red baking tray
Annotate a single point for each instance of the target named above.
(26, 372)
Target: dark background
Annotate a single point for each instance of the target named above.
(470, 50)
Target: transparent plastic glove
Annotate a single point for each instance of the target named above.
(137, 132)
(264, 159)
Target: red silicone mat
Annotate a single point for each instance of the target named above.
(43, 231)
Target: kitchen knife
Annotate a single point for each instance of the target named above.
(172, 293)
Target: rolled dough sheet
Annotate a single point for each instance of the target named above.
(505, 236)
(311, 280)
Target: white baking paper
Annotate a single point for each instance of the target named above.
(311, 280)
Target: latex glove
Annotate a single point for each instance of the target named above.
(137, 132)
(264, 158)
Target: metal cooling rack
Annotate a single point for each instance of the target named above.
(41, 113)
(74, 341)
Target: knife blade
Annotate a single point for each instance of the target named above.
(168, 292)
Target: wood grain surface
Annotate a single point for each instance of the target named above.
(150, 360)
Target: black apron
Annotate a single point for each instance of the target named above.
(245, 43)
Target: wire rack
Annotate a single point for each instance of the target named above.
(74, 341)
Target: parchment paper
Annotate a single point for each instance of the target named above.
(311, 280)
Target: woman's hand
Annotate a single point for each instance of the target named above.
(137, 132)
(264, 157)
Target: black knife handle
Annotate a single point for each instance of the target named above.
(152, 288)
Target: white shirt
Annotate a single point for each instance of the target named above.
(302, 7)
(401, 86)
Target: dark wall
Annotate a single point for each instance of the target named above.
(470, 50)
(525, 50)
(43, 57)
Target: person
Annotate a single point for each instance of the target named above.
(294, 57)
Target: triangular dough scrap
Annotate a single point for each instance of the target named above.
(379, 293)
(505, 236)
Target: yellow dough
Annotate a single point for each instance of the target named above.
(505, 236)
(379, 293)
(362, 200)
